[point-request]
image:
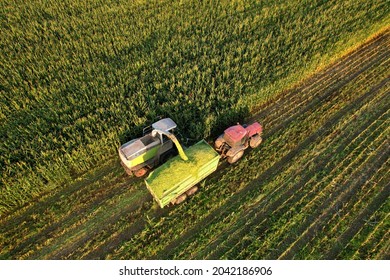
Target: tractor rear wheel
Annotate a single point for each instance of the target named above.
(255, 141)
(141, 172)
(219, 142)
(236, 157)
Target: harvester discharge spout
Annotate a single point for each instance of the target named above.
(174, 140)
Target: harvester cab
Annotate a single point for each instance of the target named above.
(235, 139)
(139, 155)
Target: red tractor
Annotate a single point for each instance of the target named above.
(235, 139)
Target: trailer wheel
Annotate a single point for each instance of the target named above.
(141, 172)
(181, 198)
(236, 157)
(192, 191)
(255, 141)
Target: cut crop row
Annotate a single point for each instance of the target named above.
(343, 221)
(310, 228)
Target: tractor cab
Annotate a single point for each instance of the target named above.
(236, 135)
(235, 139)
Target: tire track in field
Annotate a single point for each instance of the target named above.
(257, 214)
(358, 222)
(126, 234)
(98, 223)
(262, 210)
(312, 226)
(332, 203)
(46, 201)
(87, 201)
(366, 235)
(23, 219)
(52, 229)
(384, 253)
(290, 239)
(345, 216)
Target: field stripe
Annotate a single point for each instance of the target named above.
(353, 186)
(355, 226)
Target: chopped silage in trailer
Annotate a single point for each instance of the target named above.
(176, 175)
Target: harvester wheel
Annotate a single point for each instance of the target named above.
(192, 191)
(141, 172)
(127, 170)
(181, 198)
(255, 141)
(236, 157)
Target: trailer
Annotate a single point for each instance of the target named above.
(175, 180)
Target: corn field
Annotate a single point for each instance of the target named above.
(78, 78)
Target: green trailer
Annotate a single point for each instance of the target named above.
(176, 179)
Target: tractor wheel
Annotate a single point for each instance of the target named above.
(255, 141)
(236, 157)
(192, 191)
(219, 142)
(141, 172)
(181, 198)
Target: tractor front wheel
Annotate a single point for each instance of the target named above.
(141, 172)
(236, 157)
